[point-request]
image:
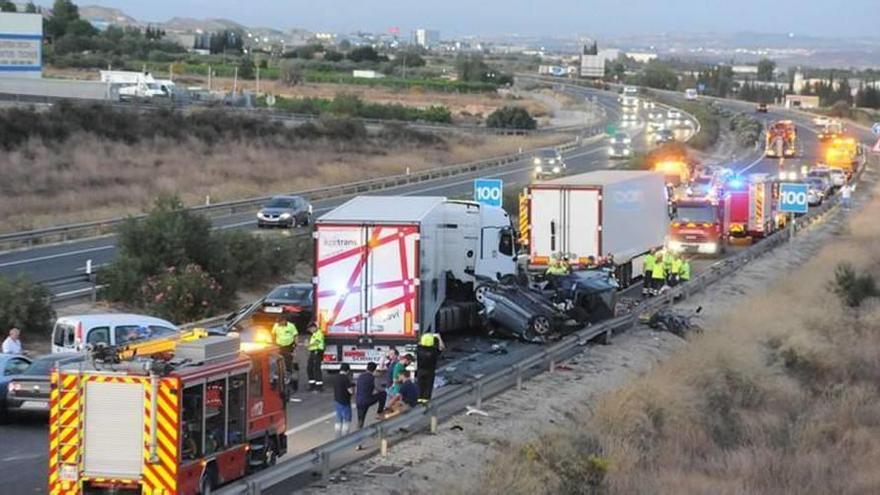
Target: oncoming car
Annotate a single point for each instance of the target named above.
(285, 211)
(548, 163)
(620, 150)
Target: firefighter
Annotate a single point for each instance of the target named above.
(285, 334)
(316, 355)
(427, 353)
(684, 274)
(647, 275)
(658, 275)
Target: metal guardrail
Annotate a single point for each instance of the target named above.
(320, 459)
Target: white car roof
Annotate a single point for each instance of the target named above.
(114, 320)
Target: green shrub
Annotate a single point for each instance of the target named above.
(853, 288)
(511, 118)
(188, 294)
(25, 305)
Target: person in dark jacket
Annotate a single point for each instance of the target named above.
(427, 355)
(366, 394)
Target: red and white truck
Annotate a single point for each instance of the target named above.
(598, 214)
(388, 268)
(698, 226)
(780, 139)
(750, 207)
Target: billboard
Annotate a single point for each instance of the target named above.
(592, 66)
(21, 45)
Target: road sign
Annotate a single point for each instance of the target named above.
(610, 129)
(701, 87)
(488, 191)
(793, 198)
(270, 100)
(876, 128)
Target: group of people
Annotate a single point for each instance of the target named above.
(662, 269)
(399, 392)
(560, 264)
(285, 335)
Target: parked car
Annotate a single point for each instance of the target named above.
(823, 173)
(288, 300)
(838, 177)
(29, 390)
(664, 136)
(77, 333)
(548, 163)
(285, 211)
(11, 366)
(822, 188)
(762, 108)
(814, 197)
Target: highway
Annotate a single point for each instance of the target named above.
(24, 461)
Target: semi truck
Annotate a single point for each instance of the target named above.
(697, 226)
(597, 215)
(186, 419)
(843, 154)
(780, 139)
(389, 268)
(750, 206)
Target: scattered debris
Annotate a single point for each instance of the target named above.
(385, 470)
(473, 410)
(675, 321)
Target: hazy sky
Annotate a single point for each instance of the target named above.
(599, 17)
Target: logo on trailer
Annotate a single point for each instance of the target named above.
(488, 191)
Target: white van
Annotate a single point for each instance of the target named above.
(690, 94)
(75, 333)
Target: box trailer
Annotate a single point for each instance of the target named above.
(388, 268)
(598, 214)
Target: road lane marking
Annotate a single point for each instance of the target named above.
(55, 256)
(309, 424)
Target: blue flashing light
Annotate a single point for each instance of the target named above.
(736, 183)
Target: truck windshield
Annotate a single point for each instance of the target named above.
(696, 214)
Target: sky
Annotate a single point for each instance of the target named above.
(828, 18)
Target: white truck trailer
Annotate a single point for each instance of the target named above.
(388, 268)
(597, 214)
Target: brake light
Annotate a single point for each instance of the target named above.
(708, 225)
(292, 309)
(78, 333)
(676, 224)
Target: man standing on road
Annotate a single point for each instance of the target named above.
(427, 354)
(646, 276)
(285, 334)
(342, 390)
(846, 195)
(12, 344)
(658, 275)
(316, 355)
(684, 274)
(366, 394)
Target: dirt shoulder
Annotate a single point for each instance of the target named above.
(469, 449)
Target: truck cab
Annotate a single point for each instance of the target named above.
(697, 226)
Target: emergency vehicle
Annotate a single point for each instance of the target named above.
(697, 226)
(781, 139)
(180, 417)
(842, 153)
(750, 206)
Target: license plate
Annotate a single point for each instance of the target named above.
(354, 355)
(273, 309)
(35, 405)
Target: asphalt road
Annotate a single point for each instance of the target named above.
(23, 466)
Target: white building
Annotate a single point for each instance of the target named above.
(642, 57)
(426, 38)
(21, 45)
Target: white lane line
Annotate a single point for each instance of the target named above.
(55, 256)
(751, 165)
(309, 424)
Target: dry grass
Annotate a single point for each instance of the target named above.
(90, 178)
(782, 397)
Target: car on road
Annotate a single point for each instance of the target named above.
(630, 117)
(620, 138)
(290, 300)
(674, 116)
(548, 162)
(761, 108)
(620, 150)
(656, 119)
(664, 136)
(285, 211)
(821, 186)
(29, 390)
(821, 121)
(838, 177)
(824, 173)
(77, 333)
(11, 366)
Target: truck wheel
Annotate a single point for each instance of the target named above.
(206, 484)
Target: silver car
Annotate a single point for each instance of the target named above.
(285, 211)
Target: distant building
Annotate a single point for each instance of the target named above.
(800, 101)
(592, 64)
(367, 74)
(745, 69)
(21, 45)
(643, 57)
(609, 54)
(426, 38)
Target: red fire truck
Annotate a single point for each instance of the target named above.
(698, 226)
(750, 207)
(781, 139)
(182, 421)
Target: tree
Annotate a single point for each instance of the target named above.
(246, 68)
(659, 75)
(30, 8)
(25, 305)
(64, 13)
(333, 56)
(511, 118)
(766, 67)
(290, 72)
(7, 6)
(363, 54)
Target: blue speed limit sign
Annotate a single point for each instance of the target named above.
(488, 191)
(793, 198)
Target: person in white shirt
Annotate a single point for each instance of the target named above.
(12, 344)
(846, 195)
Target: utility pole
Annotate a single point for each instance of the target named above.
(210, 73)
(235, 80)
(258, 79)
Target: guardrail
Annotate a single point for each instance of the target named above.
(104, 227)
(320, 459)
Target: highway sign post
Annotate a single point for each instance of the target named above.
(489, 191)
(793, 198)
(876, 128)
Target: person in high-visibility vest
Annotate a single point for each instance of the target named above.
(658, 275)
(427, 353)
(285, 334)
(316, 355)
(675, 271)
(685, 273)
(650, 260)
(555, 267)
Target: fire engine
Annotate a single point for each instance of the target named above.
(750, 206)
(698, 226)
(181, 416)
(781, 139)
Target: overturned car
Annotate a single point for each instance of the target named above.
(540, 312)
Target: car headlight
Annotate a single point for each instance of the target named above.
(552, 161)
(260, 214)
(556, 170)
(539, 169)
(537, 161)
(626, 152)
(285, 216)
